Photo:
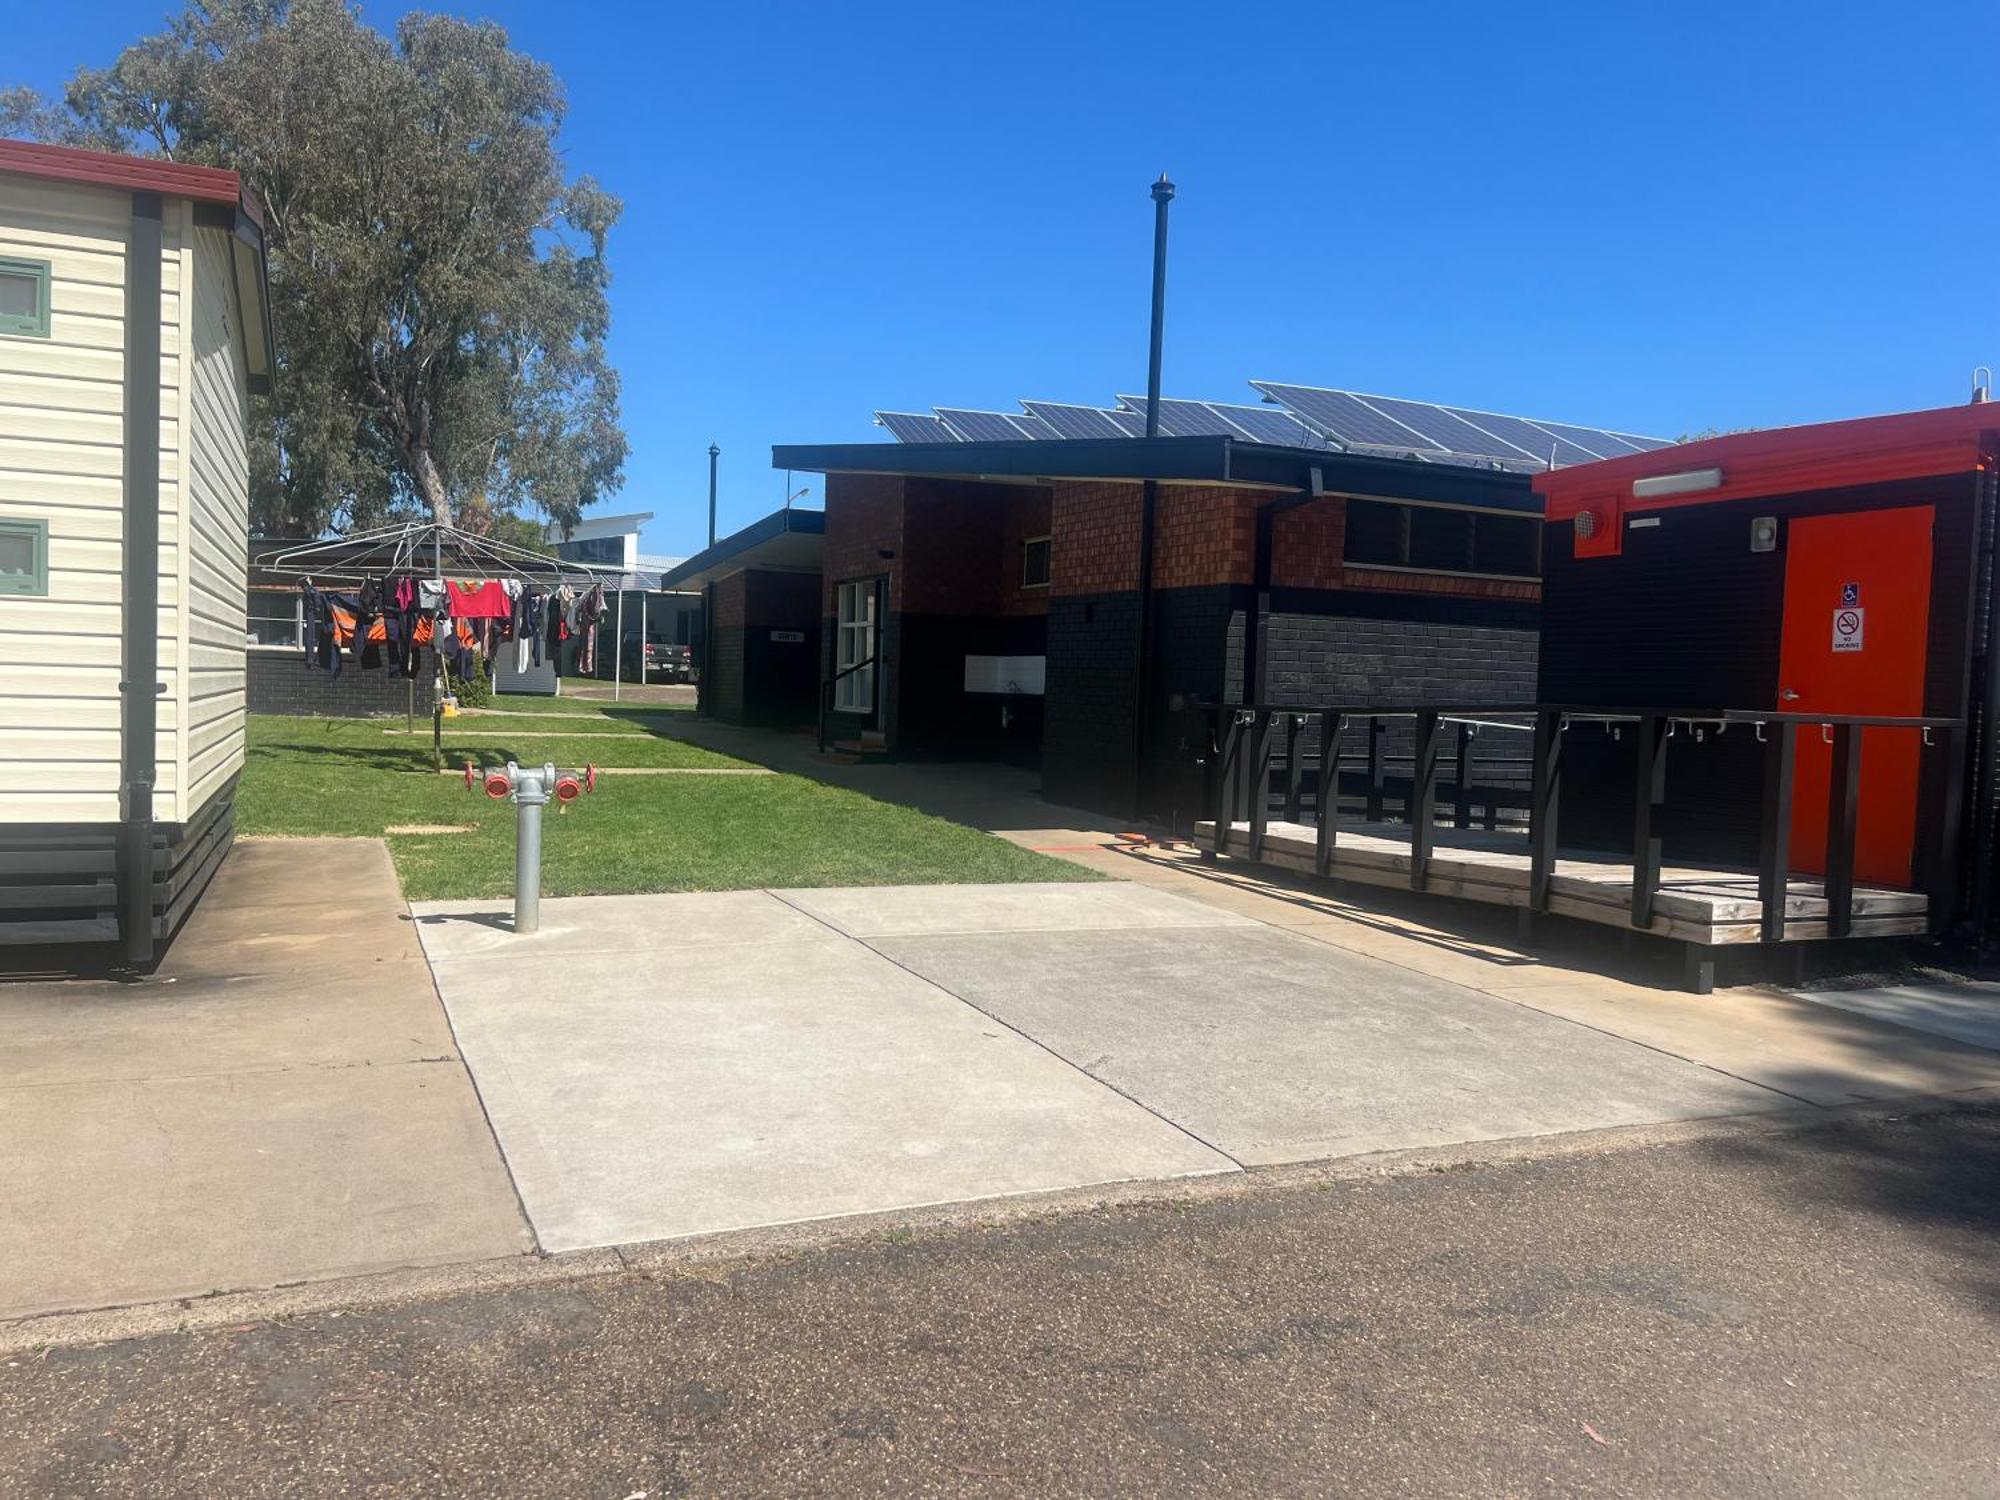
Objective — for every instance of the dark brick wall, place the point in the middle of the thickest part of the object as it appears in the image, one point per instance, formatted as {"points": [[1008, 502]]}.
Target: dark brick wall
{"points": [[1445, 654], [722, 695], [279, 682], [1317, 660], [1087, 716]]}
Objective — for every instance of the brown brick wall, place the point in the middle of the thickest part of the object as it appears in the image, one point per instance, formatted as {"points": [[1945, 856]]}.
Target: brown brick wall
{"points": [[864, 518], [1306, 545], [1096, 529], [1204, 535], [729, 600], [784, 601], [1390, 582], [1027, 515]]}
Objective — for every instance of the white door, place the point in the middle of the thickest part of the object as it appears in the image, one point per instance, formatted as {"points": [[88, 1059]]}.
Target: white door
{"points": [[855, 644]]}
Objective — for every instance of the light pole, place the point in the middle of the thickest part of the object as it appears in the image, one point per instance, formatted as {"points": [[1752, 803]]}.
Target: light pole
{"points": [[713, 454], [1149, 497], [1163, 194]]}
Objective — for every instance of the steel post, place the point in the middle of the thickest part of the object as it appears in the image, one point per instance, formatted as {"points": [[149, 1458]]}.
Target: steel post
{"points": [[531, 795]]}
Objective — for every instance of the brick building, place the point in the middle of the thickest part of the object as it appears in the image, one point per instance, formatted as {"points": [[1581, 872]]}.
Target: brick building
{"points": [[992, 599], [759, 651]]}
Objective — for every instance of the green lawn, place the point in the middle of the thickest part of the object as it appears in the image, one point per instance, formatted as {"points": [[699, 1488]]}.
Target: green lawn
{"points": [[512, 704], [486, 739], [345, 777]]}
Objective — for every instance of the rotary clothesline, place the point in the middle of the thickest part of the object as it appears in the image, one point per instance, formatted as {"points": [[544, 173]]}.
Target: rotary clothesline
{"points": [[426, 583], [431, 548]]}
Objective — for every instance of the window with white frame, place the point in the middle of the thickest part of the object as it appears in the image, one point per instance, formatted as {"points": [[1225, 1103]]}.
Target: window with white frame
{"points": [[854, 644], [1035, 563], [273, 618]]}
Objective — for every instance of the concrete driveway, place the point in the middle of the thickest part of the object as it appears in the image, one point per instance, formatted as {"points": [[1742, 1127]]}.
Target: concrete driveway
{"points": [[661, 1066], [281, 1102]]}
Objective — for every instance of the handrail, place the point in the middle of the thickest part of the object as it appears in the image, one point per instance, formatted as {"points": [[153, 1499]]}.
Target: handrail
{"points": [[1239, 759], [826, 688]]}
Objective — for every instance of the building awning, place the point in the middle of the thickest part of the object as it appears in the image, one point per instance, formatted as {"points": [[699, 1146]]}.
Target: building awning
{"points": [[786, 541], [1208, 460]]}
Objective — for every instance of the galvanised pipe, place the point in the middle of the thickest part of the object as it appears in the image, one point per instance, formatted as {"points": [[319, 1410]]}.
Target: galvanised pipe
{"points": [[532, 788]]}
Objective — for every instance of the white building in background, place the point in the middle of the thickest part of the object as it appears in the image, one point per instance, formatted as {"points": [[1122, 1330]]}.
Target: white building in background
{"points": [[647, 614]]}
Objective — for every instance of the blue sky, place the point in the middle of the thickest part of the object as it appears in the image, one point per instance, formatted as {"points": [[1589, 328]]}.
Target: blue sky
{"points": [[1657, 218]]}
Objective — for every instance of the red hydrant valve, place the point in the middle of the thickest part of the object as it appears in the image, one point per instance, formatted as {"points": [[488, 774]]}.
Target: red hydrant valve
{"points": [[589, 777], [567, 789], [471, 777], [497, 785]]}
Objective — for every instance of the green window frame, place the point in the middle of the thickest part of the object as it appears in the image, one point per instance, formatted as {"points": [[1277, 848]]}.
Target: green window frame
{"points": [[36, 323], [36, 580]]}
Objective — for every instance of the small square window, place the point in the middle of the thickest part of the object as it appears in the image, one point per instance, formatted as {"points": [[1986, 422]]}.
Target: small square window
{"points": [[24, 297], [1035, 563], [24, 557]]}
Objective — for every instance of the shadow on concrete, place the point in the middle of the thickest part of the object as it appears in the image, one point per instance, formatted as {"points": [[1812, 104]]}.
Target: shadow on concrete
{"points": [[1937, 1167], [497, 921]]}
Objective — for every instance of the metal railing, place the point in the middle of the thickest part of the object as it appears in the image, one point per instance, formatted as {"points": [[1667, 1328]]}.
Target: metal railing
{"points": [[1241, 758], [826, 689]]}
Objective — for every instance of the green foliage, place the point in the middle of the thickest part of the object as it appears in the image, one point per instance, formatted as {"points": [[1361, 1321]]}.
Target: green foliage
{"points": [[438, 284], [475, 691]]}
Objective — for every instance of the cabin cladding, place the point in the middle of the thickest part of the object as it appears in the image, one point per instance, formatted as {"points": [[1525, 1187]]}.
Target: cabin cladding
{"points": [[62, 463], [82, 370]]}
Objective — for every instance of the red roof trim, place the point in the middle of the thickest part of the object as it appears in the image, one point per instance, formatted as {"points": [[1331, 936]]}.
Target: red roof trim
{"points": [[107, 169], [1785, 460]]}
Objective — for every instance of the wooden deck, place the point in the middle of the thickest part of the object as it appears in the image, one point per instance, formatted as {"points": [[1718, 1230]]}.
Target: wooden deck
{"points": [[1704, 906]]}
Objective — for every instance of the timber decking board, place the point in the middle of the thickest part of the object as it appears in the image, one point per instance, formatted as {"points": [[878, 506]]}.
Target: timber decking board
{"points": [[1694, 904]]}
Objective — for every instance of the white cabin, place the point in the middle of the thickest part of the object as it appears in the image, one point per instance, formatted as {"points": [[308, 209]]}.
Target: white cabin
{"points": [[134, 327]]}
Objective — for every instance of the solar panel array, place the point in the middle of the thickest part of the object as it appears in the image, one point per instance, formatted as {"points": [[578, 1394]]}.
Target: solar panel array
{"points": [[1295, 416]]}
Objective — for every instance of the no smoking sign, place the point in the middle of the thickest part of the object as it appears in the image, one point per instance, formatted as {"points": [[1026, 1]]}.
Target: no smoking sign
{"points": [[1847, 628]]}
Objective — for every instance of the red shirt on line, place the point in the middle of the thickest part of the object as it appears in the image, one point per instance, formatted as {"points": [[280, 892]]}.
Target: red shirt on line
{"points": [[478, 601]]}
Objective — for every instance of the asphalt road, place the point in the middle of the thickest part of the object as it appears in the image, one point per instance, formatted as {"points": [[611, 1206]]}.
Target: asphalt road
{"points": [[1812, 1314]]}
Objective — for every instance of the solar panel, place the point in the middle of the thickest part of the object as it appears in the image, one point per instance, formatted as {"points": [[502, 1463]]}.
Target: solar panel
{"points": [[1129, 423], [1183, 418], [1528, 436], [1266, 424], [914, 427], [981, 426], [1596, 439], [1035, 427], [1079, 421], [1643, 444], [1446, 430], [1346, 417]]}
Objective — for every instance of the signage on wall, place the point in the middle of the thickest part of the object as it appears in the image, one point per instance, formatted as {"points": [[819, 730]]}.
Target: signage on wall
{"points": [[1847, 625], [794, 636], [1850, 594]]}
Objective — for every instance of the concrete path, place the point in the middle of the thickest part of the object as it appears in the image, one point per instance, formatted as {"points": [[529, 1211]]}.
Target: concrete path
{"points": [[1828, 1049], [1965, 1009], [281, 1102], [658, 1066], [663, 1066]]}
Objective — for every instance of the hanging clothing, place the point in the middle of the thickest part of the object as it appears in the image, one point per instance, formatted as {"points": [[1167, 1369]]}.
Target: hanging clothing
{"points": [[431, 594], [530, 624], [589, 610], [478, 601], [322, 647]]}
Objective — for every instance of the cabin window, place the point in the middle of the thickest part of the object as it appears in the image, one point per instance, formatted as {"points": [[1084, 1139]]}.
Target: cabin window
{"points": [[273, 618], [24, 557], [24, 297], [1442, 539], [1035, 563]]}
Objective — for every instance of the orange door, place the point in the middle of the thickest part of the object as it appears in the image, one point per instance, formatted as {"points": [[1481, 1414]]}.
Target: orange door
{"points": [[1857, 618]]}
